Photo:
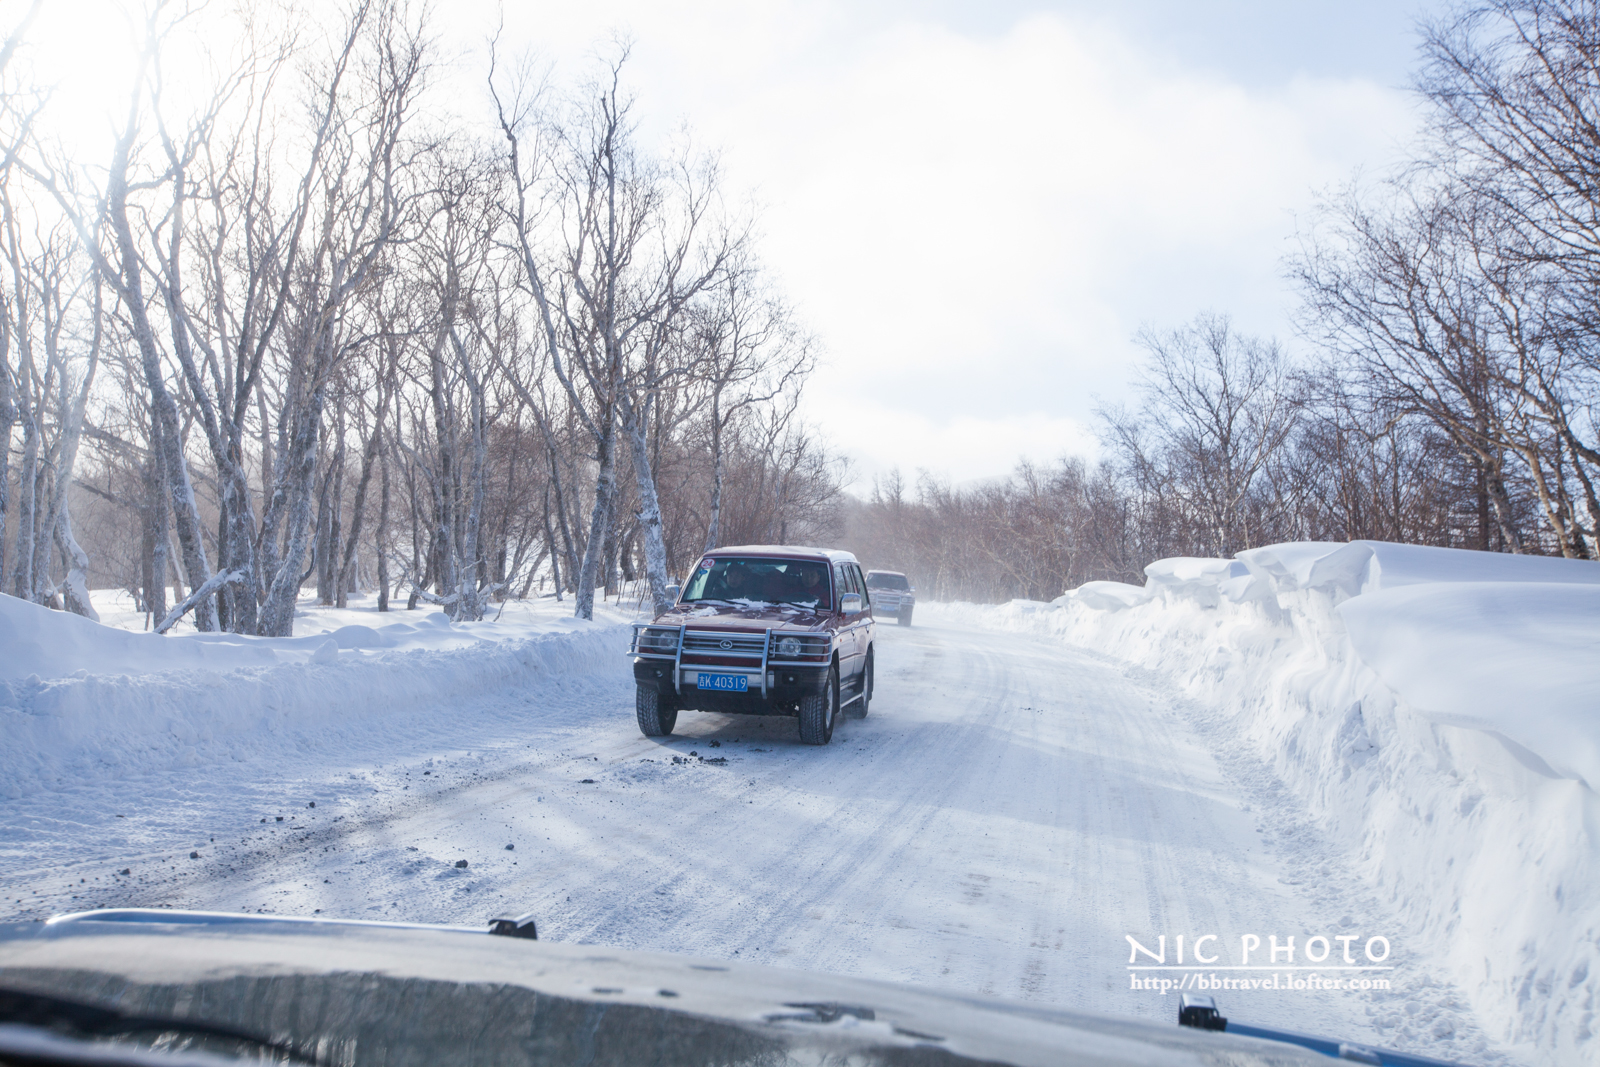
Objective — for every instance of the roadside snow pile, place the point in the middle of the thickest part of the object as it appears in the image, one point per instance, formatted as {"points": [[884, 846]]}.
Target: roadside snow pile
{"points": [[80, 701], [1437, 711]]}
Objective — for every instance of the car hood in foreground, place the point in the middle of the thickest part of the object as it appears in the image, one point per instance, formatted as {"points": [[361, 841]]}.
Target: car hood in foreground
{"points": [[381, 994]]}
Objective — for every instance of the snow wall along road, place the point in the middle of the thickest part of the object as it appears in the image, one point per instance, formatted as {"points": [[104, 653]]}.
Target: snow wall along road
{"points": [[86, 703], [1436, 711]]}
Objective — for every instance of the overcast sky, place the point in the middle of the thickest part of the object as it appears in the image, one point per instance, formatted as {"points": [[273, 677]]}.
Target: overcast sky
{"points": [[976, 205]]}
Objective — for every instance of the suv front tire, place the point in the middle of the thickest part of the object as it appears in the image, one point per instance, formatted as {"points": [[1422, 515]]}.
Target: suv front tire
{"points": [[656, 717], [819, 710]]}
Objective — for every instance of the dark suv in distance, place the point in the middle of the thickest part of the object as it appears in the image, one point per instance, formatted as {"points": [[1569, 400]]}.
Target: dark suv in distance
{"points": [[892, 594], [760, 630]]}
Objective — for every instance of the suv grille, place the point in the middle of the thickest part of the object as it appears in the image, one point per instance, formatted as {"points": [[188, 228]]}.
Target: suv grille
{"points": [[724, 644]]}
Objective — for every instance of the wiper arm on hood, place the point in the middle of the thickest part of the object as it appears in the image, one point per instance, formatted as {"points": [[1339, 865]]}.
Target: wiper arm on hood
{"points": [[47, 1011]]}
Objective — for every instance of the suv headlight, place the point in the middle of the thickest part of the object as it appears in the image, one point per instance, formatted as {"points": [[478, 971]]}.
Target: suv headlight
{"points": [[790, 646], [659, 641]]}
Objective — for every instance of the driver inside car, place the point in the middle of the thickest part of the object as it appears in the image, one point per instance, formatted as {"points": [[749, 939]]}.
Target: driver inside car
{"points": [[733, 584]]}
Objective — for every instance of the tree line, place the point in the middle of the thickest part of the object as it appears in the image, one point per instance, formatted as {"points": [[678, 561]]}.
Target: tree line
{"points": [[302, 324], [1447, 387]]}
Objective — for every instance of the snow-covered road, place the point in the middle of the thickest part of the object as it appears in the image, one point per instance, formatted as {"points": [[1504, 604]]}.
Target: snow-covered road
{"points": [[1010, 811]]}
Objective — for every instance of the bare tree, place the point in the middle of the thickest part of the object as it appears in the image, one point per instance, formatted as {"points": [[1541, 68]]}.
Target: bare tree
{"points": [[637, 242], [363, 203], [1406, 295], [1216, 409], [751, 354], [1510, 85]]}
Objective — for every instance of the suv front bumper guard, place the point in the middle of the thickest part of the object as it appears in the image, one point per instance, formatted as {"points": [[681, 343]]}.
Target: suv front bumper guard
{"points": [[763, 668]]}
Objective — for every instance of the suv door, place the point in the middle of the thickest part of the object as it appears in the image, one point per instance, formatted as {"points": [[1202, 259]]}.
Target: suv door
{"points": [[865, 625], [866, 595], [849, 632]]}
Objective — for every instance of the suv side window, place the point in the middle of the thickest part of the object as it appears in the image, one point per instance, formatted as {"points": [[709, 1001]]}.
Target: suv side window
{"points": [[848, 580], [861, 585]]}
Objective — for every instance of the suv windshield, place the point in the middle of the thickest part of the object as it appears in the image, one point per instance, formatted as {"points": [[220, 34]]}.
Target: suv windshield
{"points": [[880, 580], [760, 581]]}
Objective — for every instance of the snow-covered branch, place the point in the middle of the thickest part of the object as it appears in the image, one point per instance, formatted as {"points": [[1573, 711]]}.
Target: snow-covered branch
{"points": [[212, 585]]}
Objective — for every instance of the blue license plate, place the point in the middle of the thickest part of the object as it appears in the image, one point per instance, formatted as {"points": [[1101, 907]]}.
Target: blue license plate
{"points": [[727, 683]]}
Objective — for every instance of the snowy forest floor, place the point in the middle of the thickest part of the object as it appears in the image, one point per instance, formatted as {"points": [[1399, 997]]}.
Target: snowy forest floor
{"points": [[1008, 812]]}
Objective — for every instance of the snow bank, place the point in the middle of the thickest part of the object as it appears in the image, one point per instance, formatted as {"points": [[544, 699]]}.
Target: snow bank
{"points": [[1519, 660], [1438, 714], [81, 701]]}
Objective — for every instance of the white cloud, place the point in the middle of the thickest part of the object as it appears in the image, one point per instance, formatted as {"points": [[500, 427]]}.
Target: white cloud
{"points": [[978, 225], [959, 449]]}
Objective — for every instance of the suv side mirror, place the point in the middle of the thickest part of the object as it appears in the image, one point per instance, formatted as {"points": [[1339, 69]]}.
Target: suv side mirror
{"points": [[850, 604], [672, 592]]}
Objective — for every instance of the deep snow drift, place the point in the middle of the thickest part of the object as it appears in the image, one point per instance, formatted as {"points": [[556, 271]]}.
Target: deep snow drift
{"points": [[1438, 713], [81, 701]]}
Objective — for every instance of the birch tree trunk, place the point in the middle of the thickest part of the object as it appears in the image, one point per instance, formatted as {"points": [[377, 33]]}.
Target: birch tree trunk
{"points": [[369, 457], [470, 604], [445, 476], [72, 403], [549, 537], [718, 466], [381, 540], [655, 549], [8, 418], [27, 505], [605, 488], [277, 613], [130, 285], [569, 548], [157, 511], [75, 587]]}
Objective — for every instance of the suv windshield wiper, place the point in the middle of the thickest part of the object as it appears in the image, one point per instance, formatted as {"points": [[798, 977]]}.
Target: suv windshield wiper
{"points": [[49, 1012]]}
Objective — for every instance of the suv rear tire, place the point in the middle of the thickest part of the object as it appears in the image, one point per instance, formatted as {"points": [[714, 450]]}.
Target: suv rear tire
{"points": [[819, 710], [656, 718]]}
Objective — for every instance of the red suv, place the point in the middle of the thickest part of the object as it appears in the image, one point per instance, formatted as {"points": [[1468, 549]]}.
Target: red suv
{"points": [[760, 630]]}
